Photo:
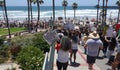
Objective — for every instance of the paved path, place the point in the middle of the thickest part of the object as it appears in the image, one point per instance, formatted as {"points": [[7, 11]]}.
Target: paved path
{"points": [[6, 66], [80, 62]]}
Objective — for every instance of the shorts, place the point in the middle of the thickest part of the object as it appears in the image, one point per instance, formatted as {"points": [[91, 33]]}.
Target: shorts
{"points": [[74, 50], [91, 59]]}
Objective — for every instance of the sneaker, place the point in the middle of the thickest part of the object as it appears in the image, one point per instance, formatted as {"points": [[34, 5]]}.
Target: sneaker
{"points": [[108, 64]]}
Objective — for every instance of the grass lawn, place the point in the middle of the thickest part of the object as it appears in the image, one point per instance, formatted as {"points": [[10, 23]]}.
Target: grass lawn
{"points": [[4, 31]]}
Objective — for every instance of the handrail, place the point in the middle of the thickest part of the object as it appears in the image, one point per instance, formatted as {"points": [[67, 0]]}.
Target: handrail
{"points": [[45, 61], [49, 59]]}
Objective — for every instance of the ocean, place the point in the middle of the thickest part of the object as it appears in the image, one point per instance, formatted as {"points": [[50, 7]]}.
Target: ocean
{"points": [[20, 12]]}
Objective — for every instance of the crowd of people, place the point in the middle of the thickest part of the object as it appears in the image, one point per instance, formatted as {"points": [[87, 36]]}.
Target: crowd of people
{"points": [[94, 39]]}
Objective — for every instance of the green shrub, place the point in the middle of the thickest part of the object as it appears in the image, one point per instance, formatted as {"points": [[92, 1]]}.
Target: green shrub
{"points": [[14, 50], [2, 39], [4, 52], [30, 58], [23, 41], [2, 60], [40, 42]]}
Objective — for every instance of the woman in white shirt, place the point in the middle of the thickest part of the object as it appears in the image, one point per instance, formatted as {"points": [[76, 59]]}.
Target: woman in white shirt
{"points": [[63, 53]]}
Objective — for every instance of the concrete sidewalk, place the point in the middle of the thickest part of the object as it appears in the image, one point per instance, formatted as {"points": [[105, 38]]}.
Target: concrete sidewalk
{"points": [[6, 66], [80, 62]]}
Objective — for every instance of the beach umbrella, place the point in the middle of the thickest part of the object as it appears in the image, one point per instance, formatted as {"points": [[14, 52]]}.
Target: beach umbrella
{"points": [[118, 3], [93, 20], [64, 4], [74, 6]]}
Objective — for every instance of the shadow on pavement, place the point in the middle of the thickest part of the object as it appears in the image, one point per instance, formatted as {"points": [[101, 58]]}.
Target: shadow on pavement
{"points": [[100, 58], [74, 64]]}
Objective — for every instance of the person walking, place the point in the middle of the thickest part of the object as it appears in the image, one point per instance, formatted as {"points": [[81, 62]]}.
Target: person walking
{"points": [[92, 45], [116, 61], [63, 53], [74, 49], [111, 39], [85, 38]]}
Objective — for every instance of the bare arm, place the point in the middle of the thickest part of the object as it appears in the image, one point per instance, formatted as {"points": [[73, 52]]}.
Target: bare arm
{"points": [[85, 46]]}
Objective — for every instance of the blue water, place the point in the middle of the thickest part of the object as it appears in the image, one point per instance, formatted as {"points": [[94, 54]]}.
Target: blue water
{"points": [[47, 8], [46, 11]]}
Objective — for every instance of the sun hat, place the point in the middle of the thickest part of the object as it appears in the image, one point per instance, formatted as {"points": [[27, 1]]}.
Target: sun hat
{"points": [[76, 28], [94, 35]]}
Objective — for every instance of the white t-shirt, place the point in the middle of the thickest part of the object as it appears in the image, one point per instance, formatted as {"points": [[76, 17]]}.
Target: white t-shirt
{"points": [[74, 46], [109, 32], [63, 56], [93, 46]]}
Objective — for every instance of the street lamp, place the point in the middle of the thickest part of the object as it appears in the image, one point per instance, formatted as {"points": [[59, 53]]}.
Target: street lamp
{"points": [[98, 11], [53, 2], [106, 10]]}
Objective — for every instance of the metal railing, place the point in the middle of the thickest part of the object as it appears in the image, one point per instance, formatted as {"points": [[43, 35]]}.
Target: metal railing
{"points": [[49, 59]]}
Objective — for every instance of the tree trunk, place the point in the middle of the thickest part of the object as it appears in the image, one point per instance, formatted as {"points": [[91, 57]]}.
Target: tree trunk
{"points": [[38, 19], [118, 15], [28, 2], [65, 12], [106, 10], [98, 11], [103, 14], [31, 14], [74, 13], [8, 25]]}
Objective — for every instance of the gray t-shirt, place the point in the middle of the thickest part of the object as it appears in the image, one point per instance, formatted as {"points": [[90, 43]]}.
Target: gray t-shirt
{"points": [[93, 46]]}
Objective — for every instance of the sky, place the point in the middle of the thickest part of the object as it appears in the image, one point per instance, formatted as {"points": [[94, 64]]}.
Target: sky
{"points": [[59, 2]]}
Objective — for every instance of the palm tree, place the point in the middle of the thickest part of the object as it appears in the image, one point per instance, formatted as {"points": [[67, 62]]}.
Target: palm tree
{"points": [[64, 4], [2, 7], [28, 2], [118, 3], [74, 6], [3, 4], [38, 7], [98, 10], [103, 14], [31, 10]]}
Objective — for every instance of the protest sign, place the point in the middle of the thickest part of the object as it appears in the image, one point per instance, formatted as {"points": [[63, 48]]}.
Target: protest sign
{"points": [[51, 37], [69, 26]]}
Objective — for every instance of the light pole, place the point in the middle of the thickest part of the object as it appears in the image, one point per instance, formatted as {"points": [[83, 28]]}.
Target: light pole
{"points": [[106, 10], [98, 11], [53, 13]]}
